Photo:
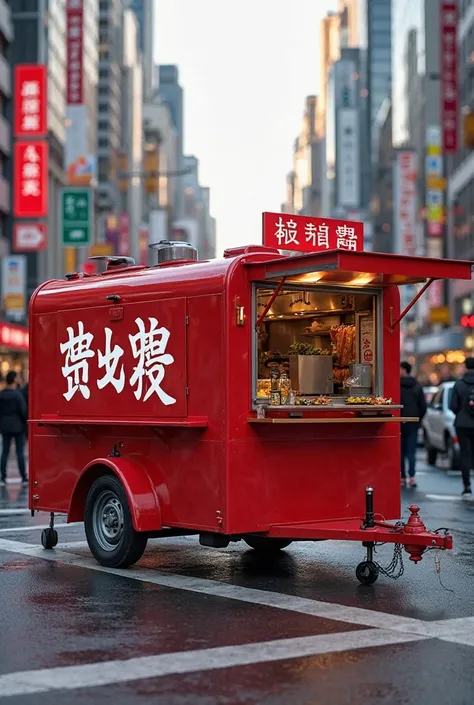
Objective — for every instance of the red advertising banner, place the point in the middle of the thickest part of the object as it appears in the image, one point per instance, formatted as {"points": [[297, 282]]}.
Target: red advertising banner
{"points": [[74, 51], [30, 101], [124, 235], [449, 76], [406, 210], [30, 237], [30, 180], [300, 233]]}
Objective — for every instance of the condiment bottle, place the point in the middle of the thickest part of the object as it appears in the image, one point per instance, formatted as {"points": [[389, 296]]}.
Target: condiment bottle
{"points": [[284, 387], [275, 395]]}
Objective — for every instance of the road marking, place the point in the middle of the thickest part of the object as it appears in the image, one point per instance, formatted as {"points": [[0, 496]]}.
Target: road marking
{"points": [[112, 672], [444, 497], [36, 527], [292, 603], [14, 511], [266, 598]]}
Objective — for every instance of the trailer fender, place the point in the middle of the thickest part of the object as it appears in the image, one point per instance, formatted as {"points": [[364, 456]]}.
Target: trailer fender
{"points": [[141, 494]]}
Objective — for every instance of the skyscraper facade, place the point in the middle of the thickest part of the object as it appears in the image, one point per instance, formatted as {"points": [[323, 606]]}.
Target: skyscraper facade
{"points": [[145, 13], [109, 103]]}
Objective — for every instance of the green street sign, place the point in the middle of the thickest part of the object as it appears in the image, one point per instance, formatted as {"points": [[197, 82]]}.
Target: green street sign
{"points": [[76, 210]]}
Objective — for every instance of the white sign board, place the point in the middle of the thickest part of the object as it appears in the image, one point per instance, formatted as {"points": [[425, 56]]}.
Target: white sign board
{"points": [[347, 158], [14, 286]]}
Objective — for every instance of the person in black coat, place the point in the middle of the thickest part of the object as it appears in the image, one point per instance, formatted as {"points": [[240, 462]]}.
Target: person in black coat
{"points": [[413, 402], [13, 418], [462, 405]]}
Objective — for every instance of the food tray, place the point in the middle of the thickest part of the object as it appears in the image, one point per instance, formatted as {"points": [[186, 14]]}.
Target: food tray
{"points": [[333, 407]]}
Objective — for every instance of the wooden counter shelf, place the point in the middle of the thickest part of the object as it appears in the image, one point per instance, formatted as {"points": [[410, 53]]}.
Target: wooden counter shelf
{"points": [[356, 419]]}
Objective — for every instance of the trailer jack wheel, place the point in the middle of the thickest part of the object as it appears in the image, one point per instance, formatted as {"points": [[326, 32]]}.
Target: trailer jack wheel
{"points": [[49, 536], [367, 572]]}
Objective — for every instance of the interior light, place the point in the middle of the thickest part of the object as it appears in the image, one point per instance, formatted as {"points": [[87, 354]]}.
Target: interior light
{"points": [[311, 277], [362, 279]]}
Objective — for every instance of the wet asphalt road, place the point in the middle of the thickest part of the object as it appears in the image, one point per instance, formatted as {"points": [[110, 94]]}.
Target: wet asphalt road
{"points": [[196, 626]]}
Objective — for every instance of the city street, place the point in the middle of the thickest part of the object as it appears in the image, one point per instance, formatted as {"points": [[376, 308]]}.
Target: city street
{"points": [[195, 625]]}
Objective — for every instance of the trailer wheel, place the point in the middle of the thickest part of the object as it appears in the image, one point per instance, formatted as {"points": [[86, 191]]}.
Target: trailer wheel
{"points": [[108, 523], [367, 572], [49, 538], [265, 544]]}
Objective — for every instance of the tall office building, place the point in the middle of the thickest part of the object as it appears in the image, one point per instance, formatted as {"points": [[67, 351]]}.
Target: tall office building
{"points": [[41, 25], [132, 128], [171, 94], [109, 103], [145, 13], [329, 50]]}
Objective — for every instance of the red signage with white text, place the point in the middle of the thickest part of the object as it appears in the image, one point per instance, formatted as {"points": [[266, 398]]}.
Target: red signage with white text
{"points": [[449, 76], [124, 235], [300, 233], [30, 180], [30, 237], [14, 337], [30, 100], [74, 51]]}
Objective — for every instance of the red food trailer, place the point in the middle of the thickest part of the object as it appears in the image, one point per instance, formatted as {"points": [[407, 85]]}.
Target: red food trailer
{"points": [[155, 412]]}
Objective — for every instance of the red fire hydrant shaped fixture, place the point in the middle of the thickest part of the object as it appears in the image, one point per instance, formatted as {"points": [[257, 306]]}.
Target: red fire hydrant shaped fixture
{"points": [[414, 525]]}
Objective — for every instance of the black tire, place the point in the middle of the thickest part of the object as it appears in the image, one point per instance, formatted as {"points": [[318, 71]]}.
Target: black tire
{"points": [[431, 453], [264, 544], [108, 524], [49, 538], [367, 572]]}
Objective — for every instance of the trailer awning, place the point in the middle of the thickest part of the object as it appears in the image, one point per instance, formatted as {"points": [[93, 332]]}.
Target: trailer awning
{"points": [[358, 269]]}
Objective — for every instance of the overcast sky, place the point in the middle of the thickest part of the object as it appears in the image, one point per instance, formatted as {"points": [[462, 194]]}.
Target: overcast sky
{"points": [[246, 68]]}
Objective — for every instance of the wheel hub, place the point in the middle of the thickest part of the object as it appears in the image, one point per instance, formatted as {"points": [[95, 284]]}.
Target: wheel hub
{"points": [[108, 520]]}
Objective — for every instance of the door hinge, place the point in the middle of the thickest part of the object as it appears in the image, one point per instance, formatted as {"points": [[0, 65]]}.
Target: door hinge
{"points": [[187, 391], [186, 320]]}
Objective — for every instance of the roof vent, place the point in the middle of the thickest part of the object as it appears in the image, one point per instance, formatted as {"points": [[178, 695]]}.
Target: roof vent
{"points": [[174, 251]]}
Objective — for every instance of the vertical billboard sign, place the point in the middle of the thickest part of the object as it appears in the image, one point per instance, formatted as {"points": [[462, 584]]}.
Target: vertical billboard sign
{"points": [[435, 186], [80, 164], [30, 104], [449, 76], [405, 201], [347, 158], [14, 286], [30, 179]]}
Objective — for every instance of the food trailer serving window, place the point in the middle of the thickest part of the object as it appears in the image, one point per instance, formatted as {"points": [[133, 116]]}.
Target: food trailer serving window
{"points": [[318, 322], [317, 341]]}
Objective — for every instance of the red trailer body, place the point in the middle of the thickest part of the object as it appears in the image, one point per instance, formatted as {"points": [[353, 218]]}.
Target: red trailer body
{"points": [[143, 379]]}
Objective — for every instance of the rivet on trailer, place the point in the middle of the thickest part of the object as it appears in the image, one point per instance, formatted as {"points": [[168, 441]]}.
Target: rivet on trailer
{"points": [[183, 398]]}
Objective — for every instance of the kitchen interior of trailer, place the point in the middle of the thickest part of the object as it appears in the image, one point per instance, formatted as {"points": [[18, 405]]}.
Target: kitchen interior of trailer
{"points": [[324, 338]]}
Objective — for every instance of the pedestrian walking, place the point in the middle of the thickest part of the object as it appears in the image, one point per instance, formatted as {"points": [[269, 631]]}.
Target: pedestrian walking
{"points": [[462, 405], [413, 402], [13, 418]]}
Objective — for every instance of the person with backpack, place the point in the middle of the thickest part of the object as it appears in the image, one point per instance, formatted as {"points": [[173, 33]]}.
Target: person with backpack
{"points": [[462, 406], [413, 403]]}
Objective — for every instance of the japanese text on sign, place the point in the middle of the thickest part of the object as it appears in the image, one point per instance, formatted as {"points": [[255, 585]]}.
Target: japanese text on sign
{"points": [[30, 100], [305, 234], [449, 76], [30, 180], [366, 340], [148, 348], [74, 30]]}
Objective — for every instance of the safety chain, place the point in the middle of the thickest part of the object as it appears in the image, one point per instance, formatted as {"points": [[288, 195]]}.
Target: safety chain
{"points": [[395, 569]]}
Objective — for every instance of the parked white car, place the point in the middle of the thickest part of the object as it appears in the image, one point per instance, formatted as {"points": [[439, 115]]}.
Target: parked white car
{"points": [[438, 428], [429, 393]]}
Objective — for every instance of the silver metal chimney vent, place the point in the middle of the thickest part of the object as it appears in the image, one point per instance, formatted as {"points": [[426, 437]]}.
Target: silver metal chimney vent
{"points": [[174, 251]]}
